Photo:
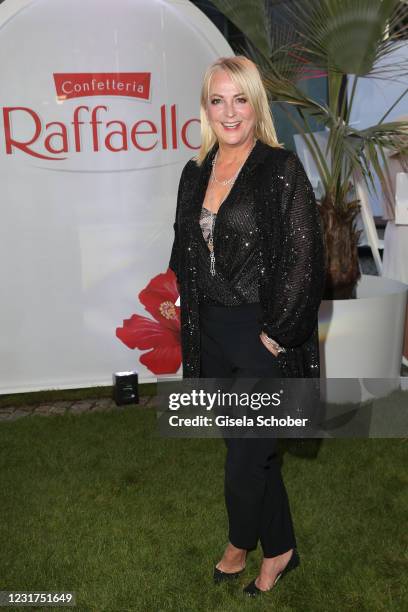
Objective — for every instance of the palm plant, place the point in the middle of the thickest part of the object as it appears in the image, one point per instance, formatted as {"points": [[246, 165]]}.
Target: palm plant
{"points": [[343, 40]]}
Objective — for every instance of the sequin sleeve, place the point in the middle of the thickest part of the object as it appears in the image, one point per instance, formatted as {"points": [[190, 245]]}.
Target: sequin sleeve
{"points": [[174, 257], [298, 278]]}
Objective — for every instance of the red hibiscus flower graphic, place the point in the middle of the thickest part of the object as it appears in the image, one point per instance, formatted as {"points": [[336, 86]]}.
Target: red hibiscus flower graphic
{"points": [[161, 335]]}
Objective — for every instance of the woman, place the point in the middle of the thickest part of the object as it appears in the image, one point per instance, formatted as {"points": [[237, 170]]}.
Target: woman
{"points": [[248, 257]]}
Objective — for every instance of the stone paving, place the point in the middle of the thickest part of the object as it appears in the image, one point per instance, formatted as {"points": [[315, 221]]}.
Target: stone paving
{"points": [[11, 413]]}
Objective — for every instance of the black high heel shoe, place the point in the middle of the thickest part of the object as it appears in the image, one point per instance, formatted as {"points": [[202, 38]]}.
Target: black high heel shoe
{"points": [[252, 590], [220, 576]]}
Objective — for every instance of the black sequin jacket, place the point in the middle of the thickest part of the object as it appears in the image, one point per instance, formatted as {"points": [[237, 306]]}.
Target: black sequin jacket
{"points": [[291, 256]]}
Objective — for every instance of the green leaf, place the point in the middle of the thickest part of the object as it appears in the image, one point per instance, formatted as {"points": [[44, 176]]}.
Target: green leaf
{"points": [[252, 18], [345, 36]]}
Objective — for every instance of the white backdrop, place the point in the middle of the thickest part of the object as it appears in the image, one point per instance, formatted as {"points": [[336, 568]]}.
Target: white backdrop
{"points": [[86, 215]]}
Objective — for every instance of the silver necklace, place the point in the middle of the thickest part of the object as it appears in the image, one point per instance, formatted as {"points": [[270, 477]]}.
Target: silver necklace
{"points": [[211, 245], [213, 215], [211, 234], [227, 181]]}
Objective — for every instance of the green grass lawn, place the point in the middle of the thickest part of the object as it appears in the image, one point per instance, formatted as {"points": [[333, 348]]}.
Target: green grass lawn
{"points": [[100, 505]]}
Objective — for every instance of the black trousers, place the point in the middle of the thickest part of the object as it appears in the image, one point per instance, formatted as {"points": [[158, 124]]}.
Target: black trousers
{"points": [[255, 495]]}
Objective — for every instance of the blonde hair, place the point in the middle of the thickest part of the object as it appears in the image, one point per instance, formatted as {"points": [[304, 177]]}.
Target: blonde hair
{"points": [[245, 75]]}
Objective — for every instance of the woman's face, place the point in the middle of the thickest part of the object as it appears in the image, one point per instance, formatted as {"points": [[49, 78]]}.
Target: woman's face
{"points": [[229, 112]]}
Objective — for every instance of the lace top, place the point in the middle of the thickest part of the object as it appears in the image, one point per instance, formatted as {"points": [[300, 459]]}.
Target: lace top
{"points": [[207, 219]]}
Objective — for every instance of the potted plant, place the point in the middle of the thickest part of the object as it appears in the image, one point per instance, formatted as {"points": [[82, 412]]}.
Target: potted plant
{"points": [[344, 40]]}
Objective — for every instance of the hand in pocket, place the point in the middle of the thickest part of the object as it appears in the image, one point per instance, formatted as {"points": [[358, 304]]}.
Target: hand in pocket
{"points": [[268, 345]]}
